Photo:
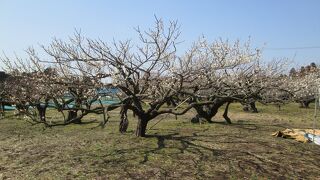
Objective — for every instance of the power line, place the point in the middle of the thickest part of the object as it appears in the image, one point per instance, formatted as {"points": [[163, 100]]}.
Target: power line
{"points": [[294, 48]]}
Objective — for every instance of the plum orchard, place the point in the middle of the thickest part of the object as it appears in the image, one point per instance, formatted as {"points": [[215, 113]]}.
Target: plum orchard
{"points": [[148, 75]]}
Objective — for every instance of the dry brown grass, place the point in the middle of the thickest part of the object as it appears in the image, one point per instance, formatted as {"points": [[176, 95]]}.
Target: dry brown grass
{"points": [[174, 149]]}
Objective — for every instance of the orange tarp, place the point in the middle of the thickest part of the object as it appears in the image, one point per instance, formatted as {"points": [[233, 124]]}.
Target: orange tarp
{"points": [[297, 134]]}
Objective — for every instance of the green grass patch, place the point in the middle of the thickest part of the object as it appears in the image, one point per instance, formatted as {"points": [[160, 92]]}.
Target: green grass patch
{"points": [[174, 149]]}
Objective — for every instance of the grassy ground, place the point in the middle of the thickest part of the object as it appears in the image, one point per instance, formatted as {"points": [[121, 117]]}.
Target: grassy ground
{"points": [[174, 149]]}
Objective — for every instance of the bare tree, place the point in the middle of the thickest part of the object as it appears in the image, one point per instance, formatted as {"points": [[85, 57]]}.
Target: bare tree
{"points": [[34, 84], [3, 92], [28, 88], [149, 75], [225, 72], [145, 73]]}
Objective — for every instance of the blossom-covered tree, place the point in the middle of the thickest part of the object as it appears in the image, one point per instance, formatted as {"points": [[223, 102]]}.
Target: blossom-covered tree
{"points": [[305, 84], [3, 92], [149, 75], [227, 72], [35, 84]]}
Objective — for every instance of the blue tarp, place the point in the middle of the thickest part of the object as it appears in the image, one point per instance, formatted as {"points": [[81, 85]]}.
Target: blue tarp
{"points": [[104, 102], [9, 108], [313, 138]]}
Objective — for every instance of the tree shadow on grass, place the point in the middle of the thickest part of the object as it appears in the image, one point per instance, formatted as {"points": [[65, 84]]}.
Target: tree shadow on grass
{"points": [[194, 144], [243, 155], [257, 156]]}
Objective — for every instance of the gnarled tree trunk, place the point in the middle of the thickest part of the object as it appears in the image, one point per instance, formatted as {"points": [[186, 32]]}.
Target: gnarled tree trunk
{"points": [[21, 108], [73, 117], [253, 107], [141, 126], [2, 109], [207, 112], [250, 107], [304, 104], [124, 120], [225, 114], [42, 112]]}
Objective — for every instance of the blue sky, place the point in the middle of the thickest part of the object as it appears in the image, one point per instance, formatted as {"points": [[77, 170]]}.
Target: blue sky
{"points": [[269, 23]]}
